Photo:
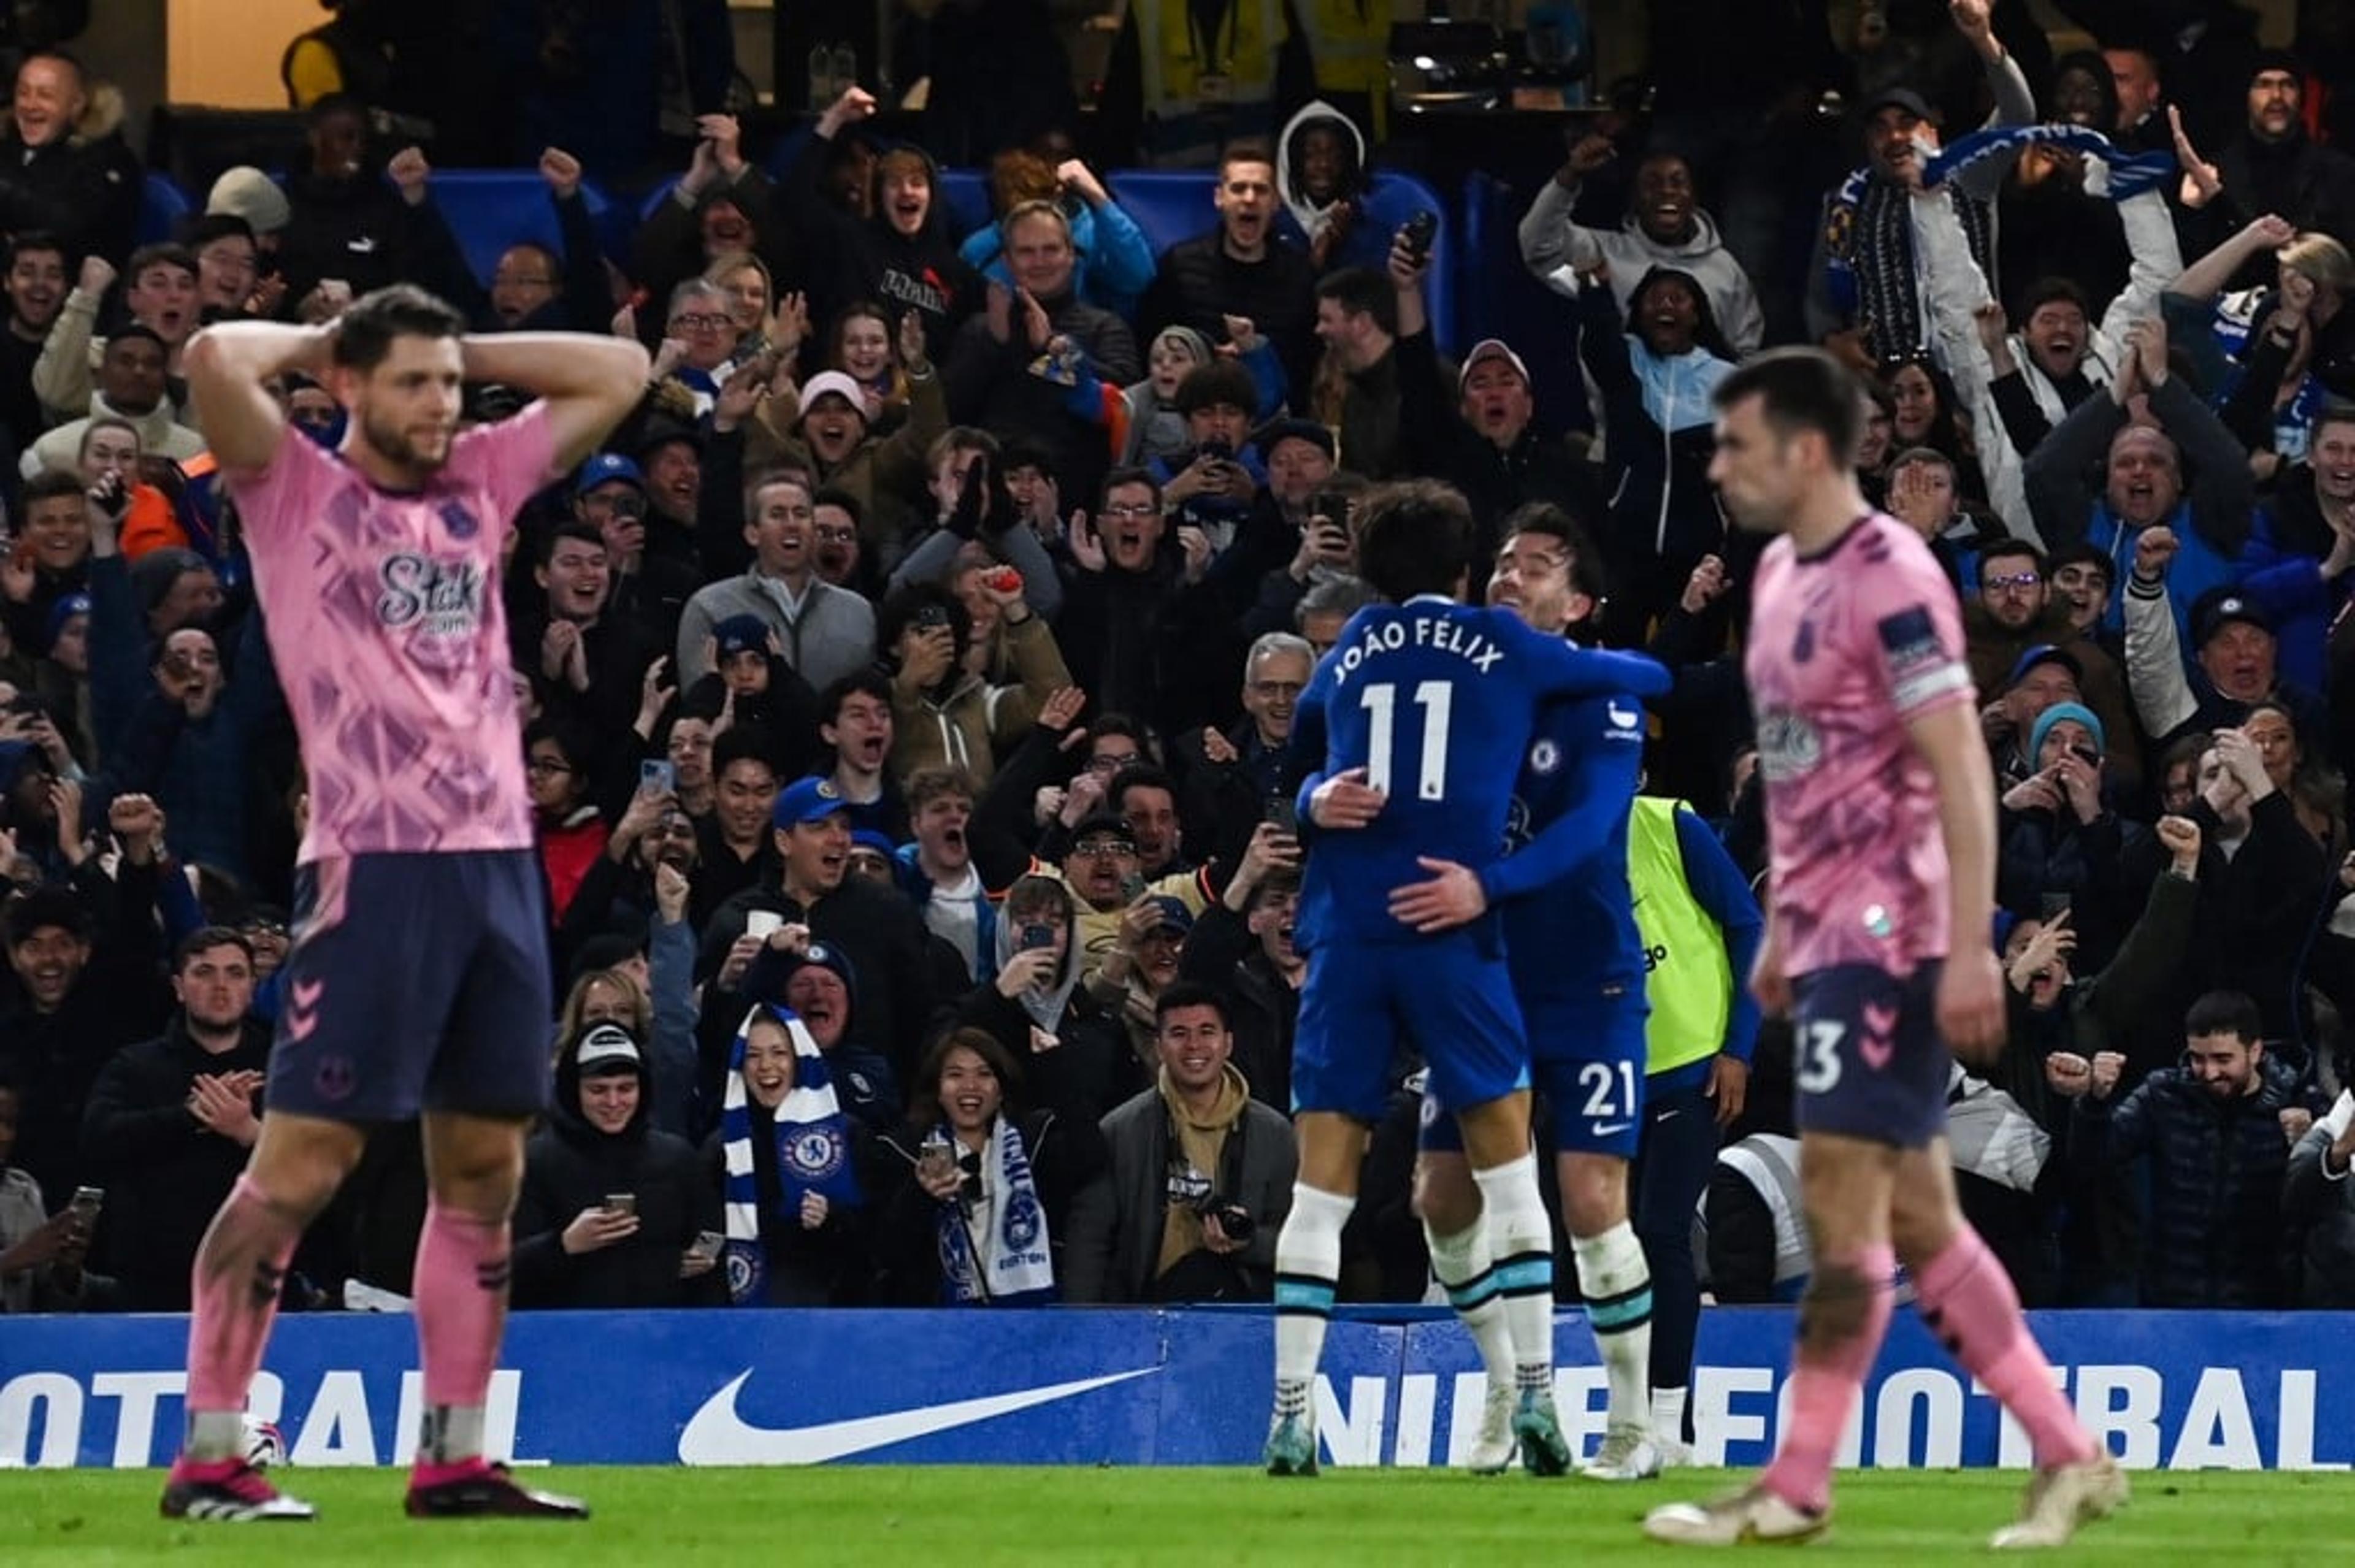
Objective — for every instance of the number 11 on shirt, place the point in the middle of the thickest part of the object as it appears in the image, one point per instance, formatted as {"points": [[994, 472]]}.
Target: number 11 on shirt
{"points": [[1380, 703]]}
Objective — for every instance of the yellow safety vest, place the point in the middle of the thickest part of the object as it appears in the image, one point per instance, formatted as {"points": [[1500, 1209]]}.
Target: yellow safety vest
{"points": [[1687, 978]]}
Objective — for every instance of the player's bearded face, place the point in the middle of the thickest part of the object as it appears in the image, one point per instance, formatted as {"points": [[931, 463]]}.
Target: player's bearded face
{"points": [[407, 407]]}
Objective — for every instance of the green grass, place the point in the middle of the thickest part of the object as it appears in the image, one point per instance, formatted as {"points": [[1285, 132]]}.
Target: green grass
{"points": [[1196, 1518]]}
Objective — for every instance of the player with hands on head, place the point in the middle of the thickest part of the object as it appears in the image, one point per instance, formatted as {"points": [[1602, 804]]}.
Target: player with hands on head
{"points": [[375, 565]]}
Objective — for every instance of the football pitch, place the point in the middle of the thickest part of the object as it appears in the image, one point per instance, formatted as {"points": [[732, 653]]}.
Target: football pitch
{"points": [[971, 1515]]}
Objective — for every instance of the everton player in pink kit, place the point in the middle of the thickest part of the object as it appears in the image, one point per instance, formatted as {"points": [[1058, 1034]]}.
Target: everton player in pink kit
{"points": [[419, 977], [1881, 811]]}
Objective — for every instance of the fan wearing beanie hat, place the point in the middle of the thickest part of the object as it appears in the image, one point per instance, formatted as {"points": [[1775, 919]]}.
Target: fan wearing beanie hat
{"points": [[610, 1204]]}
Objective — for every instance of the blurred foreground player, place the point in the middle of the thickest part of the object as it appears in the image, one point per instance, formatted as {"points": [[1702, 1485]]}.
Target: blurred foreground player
{"points": [[418, 977], [1882, 812]]}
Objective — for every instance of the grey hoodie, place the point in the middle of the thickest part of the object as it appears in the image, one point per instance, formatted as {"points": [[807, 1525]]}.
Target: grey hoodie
{"points": [[1553, 245]]}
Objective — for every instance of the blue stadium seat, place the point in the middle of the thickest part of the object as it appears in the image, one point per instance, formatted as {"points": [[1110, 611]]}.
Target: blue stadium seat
{"points": [[1500, 299], [967, 193], [1171, 204], [490, 209], [161, 204]]}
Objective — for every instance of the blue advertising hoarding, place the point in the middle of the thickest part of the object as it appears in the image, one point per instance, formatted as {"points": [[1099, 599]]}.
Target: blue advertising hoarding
{"points": [[1069, 1387]]}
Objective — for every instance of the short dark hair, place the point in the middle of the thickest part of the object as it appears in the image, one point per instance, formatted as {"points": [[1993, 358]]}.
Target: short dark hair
{"points": [[570, 528], [2083, 553], [206, 937], [1220, 382], [365, 333], [162, 253], [1802, 392], [135, 332], [742, 743], [336, 105], [868, 682], [35, 240], [2053, 291], [1117, 477], [207, 227], [2008, 549], [1190, 994], [836, 495], [1122, 724], [1413, 536], [2224, 1012], [1586, 566], [1138, 775], [1361, 291], [49, 485]]}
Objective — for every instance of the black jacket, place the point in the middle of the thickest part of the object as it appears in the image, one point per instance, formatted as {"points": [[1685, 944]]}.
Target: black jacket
{"points": [[86, 190], [55, 1057], [989, 383], [1197, 285], [2217, 1236], [570, 1166], [2324, 1210], [1495, 479], [164, 1172], [846, 258], [889, 948], [1066, 1152]]}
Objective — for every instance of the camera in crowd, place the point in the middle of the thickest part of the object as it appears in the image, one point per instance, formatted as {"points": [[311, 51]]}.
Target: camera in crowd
{"points": [[1233, 1216]]}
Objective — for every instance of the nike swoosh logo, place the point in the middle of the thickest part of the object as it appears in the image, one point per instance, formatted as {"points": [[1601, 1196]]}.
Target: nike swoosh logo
{"points": [[715, 1434], [1611, 1129]]}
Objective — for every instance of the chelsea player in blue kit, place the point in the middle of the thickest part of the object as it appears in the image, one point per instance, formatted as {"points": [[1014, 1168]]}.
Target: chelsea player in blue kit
{"points": [[1577, 963], [1418, 720]]}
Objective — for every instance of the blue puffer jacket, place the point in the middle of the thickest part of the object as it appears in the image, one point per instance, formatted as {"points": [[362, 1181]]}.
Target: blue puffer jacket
{"points": [[2216, 1236]]}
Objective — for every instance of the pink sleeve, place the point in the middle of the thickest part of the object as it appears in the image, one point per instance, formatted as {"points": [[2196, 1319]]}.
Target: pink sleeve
{"points": [[1908, 612], [282, 493], [510, 460]]}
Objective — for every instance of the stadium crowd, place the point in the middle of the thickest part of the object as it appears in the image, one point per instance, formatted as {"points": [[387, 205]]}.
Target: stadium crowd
{"points": [[908, 686]]}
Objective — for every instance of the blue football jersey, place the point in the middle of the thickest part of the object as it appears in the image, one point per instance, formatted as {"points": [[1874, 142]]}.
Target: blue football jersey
{"points": [[1569, 920], [1436, 701]]}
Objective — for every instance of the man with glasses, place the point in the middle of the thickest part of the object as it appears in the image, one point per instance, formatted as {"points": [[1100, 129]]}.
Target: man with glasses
{"points": [[1139, 630], [1229, 775], [2017, 612], [699, 319], [1103, 868]]}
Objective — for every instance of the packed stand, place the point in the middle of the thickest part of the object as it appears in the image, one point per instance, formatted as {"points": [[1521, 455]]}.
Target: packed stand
{"points": [[907, 688]]}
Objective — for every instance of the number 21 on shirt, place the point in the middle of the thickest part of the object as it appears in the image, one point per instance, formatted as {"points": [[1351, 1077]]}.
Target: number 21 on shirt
{"points": [[1435, 698]]}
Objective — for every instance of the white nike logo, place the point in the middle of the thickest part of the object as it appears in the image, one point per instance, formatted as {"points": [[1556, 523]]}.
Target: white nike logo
{"points": [[1611, 1129], [715, 1434]]}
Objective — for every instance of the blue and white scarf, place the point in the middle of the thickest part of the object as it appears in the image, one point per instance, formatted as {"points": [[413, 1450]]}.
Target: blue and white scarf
{"points": [[813, 1152], [1869, 269], [2130, 176], [995, 1252]]}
